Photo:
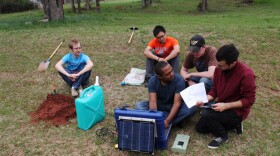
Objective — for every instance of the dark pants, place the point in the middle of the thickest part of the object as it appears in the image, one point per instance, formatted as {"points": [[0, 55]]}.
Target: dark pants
{"points": [[217, 123], [150, 66], [81, 80]]}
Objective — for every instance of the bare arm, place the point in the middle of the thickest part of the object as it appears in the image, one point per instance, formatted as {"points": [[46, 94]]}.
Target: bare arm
{"points": [[175, 52], [208, 74], [186, 76], [224, 106], [149, 54], [174, 109], [88, 67], [60, 68], [221, 106], [152, 101], [184, 73]]}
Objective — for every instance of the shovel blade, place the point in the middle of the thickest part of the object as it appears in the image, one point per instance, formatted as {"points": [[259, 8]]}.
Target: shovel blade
{"points": [[43, 66]]}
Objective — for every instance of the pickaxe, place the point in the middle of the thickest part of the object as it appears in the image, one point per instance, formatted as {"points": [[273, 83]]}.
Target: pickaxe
{"points": [[133, 30]]}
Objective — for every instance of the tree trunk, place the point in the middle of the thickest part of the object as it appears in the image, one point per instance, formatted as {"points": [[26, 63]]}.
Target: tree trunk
{"points": [[87, 5], [73, 6], [146, 3], [79, 6], [204, 5], [97, 8], [45, 4], [53, 9]]}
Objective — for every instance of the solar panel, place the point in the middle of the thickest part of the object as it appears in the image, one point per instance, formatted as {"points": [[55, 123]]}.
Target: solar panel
{"points": [[140, 130], [136, 135]]}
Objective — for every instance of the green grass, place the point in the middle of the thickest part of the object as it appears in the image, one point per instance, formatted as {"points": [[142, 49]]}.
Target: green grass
{"points": [[254, 29]]}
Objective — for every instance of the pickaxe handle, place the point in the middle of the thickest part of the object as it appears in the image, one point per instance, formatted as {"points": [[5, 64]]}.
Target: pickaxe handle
{"points": [[129, 41], [55, 50]]}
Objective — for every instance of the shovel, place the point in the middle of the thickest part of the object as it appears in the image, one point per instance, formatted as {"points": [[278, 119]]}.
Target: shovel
{"points": [[133, 30], [43, 66]]}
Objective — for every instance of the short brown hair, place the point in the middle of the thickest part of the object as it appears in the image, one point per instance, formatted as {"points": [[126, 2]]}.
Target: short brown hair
{"points": [[73, 41]]}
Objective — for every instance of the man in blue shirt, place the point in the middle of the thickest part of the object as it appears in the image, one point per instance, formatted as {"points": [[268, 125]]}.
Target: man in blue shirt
{"points": [[75, 68], [164, 95]]}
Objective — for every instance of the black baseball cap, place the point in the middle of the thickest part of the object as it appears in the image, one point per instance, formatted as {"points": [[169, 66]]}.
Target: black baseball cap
{"points": [[196, 42]]}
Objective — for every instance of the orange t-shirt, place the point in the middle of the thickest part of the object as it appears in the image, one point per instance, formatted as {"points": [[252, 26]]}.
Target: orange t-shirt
{"points": [[163, 50]]}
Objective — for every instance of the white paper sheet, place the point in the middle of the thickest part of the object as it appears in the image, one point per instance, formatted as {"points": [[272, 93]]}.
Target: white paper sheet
{"points": [[136, 77], [194, 93]]}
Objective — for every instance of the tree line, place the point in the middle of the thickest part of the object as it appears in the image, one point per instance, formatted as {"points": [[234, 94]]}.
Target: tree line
{"points": [[53, 9]]}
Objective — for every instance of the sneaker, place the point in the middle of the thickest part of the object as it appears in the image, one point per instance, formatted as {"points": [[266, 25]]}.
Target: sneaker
{"points": [[80, 90], [217, 142], [238, 129], [74, 92]]}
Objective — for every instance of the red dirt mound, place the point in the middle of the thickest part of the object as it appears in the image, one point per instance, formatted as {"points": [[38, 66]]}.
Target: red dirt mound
{"points": [[56, 109]]}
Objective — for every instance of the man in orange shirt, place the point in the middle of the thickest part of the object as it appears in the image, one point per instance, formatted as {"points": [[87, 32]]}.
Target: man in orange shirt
{"points": [[161, 48]]}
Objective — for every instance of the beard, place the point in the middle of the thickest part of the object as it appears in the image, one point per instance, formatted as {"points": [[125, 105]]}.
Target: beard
{"points": [[226, 72]]}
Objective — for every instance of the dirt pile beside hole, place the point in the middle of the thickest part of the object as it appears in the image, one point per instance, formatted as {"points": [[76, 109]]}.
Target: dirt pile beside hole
{"points": [[56, 110]]}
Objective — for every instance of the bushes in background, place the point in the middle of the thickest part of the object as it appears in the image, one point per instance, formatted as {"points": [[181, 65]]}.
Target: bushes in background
{"points": [[9, 6]]}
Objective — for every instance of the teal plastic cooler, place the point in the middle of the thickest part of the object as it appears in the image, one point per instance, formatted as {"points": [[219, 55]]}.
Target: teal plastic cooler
{"points": [[90, 107]]}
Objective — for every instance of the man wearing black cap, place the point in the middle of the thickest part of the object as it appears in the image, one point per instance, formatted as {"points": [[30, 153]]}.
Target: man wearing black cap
{"points": [[202, 57]]}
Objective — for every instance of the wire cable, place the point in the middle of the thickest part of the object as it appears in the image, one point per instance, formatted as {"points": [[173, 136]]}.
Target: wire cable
{"points": [[106, 134]]}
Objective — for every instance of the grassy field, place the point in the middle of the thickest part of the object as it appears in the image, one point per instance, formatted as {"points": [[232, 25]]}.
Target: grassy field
{"points": [[25, 42]]}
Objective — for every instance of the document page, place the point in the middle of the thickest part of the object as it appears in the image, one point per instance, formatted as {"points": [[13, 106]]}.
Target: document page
{"points": [[194, 93]]}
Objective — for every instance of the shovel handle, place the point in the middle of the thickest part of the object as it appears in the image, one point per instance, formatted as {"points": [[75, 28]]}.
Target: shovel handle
{"points": [[129, 41], [55, 50]]}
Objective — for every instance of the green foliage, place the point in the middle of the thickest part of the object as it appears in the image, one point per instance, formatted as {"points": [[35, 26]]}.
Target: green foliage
{"points": [[9, 6], [269, 2]]}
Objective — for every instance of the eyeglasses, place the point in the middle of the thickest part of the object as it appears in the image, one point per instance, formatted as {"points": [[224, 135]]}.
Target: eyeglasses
{"points": [[160, 37], [77, 48]]}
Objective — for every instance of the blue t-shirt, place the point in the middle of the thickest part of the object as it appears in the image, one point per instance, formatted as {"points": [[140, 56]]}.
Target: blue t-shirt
{"points": [[75, 64], [165, 94]]}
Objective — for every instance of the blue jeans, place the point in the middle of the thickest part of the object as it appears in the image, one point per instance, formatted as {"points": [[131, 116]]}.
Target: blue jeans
{"points": [[150, 65], [207, 82], [183, 113], [81, 80]]}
